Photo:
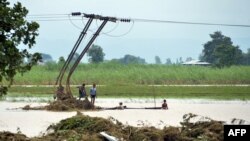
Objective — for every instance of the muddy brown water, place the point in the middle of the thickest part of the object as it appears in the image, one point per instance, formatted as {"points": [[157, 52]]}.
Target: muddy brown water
{"points": [[34, 123]]}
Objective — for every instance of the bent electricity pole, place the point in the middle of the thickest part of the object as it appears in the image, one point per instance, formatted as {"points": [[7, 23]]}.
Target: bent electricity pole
{"points": [[68, 90], [77, 44], [71, 55]]}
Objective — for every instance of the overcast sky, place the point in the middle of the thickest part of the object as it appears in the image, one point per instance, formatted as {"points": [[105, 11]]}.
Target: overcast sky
{"points": [[145, 39]]}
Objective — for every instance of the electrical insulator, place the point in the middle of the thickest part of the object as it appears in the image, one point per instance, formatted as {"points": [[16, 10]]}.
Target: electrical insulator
{"points": [[76, 13], [125, 20], [90, 16]]}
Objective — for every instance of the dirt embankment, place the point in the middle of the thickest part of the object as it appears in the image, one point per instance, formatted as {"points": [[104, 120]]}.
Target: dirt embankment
{"points": [[81, 128]]}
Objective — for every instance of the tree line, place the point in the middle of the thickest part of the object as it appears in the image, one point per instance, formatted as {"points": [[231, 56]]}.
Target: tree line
{"points": [[219, 51], [15, 30]]}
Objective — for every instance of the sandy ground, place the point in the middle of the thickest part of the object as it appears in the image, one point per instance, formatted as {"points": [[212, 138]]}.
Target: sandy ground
{"points": [[34, 123]]}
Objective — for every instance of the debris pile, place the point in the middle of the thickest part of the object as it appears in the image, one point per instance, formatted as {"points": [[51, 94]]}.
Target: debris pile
{"points": [[8, 136], [81, 128], [65, 105], [70, 104]]}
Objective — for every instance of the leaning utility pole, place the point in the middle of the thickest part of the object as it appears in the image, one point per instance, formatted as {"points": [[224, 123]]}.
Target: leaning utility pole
{"points": [[90, 17]]}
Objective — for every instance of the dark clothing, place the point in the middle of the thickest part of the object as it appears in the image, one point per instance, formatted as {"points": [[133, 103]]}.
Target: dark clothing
{"points": [[82, 92], [164, 106], [92, 96]]}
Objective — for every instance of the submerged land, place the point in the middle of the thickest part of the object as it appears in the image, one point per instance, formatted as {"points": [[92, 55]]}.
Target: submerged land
{"points": [[221, 94], [147, 124]]}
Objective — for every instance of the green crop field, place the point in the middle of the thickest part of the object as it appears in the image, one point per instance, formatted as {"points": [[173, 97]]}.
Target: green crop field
{"points": [[111, 73], [117, 80], [145, 91]]}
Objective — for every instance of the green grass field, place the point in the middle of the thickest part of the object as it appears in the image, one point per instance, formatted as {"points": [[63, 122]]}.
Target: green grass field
{"points": [[133, 81], [118, 74], [143, 91]]}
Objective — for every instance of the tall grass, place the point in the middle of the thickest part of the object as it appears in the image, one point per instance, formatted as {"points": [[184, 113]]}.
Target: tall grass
{"points": [[119, 74], [131, 91]]}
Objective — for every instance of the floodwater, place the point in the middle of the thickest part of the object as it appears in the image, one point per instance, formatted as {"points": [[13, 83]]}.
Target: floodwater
{"points": [[35, 123]]}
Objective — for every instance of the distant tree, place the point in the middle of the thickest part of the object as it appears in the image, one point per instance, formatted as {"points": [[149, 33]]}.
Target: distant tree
{"points": [[180, 60], [74, 58], [96, 54], [201, 57], [189, 59], [220, 51], [46, 57], [157, 60], [15, 31], [50, 65], [227, 55], [61, 60], [246, 58], [177, 61], [115, 61], [168, 61], [130, 59]]}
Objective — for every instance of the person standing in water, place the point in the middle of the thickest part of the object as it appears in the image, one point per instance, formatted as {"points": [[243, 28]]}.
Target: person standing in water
{"points": [[82, 91], [93, 94]]}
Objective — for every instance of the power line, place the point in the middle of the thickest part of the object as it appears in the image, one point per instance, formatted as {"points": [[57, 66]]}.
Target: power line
{"points": [[54, 20], [73, 23], [63, 17], [47, 17], [123, 34], [184, 22], [41, 15]]}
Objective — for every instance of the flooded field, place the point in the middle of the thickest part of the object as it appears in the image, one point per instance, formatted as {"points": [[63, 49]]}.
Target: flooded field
{"points": [[34, 123]]}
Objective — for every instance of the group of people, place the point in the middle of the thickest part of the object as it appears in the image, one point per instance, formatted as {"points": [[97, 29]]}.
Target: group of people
{"points": [[83, 93], [93, 93]]}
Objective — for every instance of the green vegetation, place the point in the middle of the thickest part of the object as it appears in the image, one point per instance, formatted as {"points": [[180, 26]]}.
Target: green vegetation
{"points": [[136, 74], [82, 128], [221, 52], [133, 91], [96, 54], [133, 80], [15, 30], [130, 59]]}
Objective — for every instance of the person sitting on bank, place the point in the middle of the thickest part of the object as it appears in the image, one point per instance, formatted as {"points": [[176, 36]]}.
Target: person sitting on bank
{"points": [[93, 94], [164, 105], [82, 91]]}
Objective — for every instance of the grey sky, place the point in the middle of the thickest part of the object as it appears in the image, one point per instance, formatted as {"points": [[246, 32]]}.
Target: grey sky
{"points": [[145, 39]]}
